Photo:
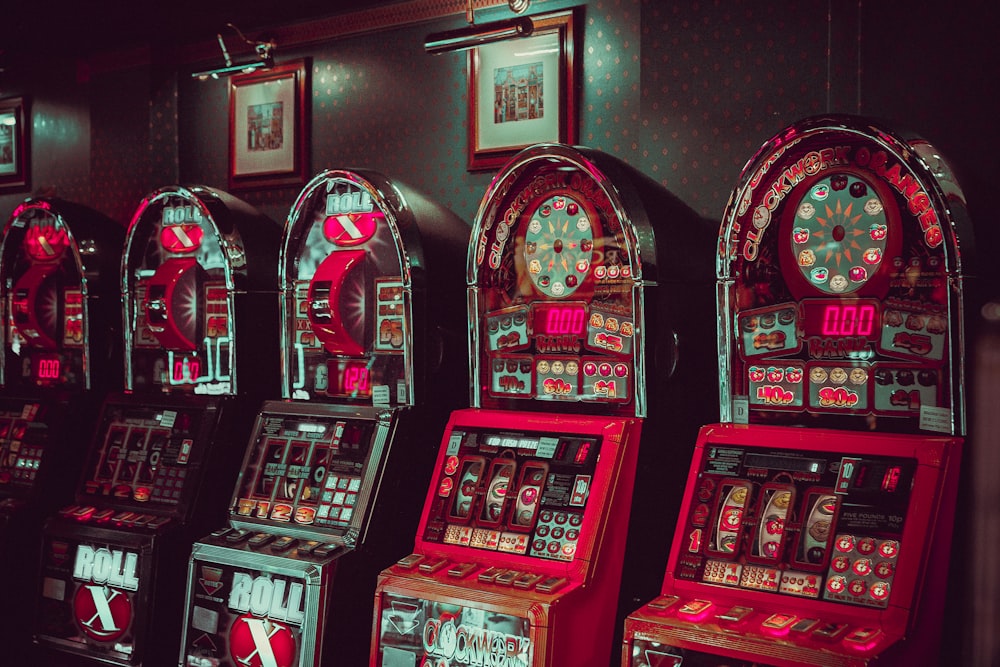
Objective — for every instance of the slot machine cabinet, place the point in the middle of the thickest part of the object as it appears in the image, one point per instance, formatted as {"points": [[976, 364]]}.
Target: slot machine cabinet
{"points": [[518, 555], [61, 350], [197, 278], [371, 274], [817, 518]]}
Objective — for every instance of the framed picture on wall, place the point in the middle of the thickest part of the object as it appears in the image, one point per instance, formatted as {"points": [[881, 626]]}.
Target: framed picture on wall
{"points": [[15, 153], [268, 127], [523, 91]]}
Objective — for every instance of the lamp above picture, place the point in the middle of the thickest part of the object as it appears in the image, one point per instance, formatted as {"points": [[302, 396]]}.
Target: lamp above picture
{"points": [[264, 51], [473, 35]]}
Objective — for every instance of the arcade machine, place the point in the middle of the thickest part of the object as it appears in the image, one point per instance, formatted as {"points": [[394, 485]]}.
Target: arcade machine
{"points": [[518, 555], [197, 265], [61, 326], [817, 518], [324, 499]]}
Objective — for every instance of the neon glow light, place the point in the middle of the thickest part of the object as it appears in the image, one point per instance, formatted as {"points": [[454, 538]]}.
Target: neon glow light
{"points": [[842, 319], [559, 320], [48, 368]]}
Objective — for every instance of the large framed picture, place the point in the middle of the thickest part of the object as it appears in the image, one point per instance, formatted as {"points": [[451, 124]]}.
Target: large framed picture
{"points": [[15, 153], [522, 91], [268, 121]]}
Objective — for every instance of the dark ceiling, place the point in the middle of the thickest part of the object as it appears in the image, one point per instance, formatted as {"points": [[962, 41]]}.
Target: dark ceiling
{"points": [[80, 29]]}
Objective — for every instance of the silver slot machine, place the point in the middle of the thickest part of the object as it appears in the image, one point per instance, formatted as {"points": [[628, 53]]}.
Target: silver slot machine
{"points": [[61, 346], [372, 316], [200, 312]]}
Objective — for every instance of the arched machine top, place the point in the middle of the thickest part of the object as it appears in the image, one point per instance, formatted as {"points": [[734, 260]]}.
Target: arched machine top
{"points": [[561, 257], [357, 254], [840, 282], [192, 253]]}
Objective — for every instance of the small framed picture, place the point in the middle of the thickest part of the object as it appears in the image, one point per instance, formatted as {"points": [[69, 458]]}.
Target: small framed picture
{"points": [[268, 122], [15, 153], [522, 91]]}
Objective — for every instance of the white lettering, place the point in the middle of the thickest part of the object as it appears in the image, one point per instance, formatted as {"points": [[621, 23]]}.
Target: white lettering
{"points": [[104, 566], [273, 597]]}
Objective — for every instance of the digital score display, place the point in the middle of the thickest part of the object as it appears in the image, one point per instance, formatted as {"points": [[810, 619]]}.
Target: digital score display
{"points": [[46, 368], [349, 378], [841, 318], [559, 319]]}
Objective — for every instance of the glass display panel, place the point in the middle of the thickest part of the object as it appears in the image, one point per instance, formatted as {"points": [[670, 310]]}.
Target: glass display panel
{"points": [[24, 435], [556, 275], [178, 275], [305, 470], [45, 329], [513, 492], [841, 299], [818, 525], [347, 297], [146, 458], [419, 631]]}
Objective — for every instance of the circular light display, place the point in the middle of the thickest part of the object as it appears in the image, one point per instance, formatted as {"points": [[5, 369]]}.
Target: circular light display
{"points": [[559, 246], [839, 234], [46, 240]]}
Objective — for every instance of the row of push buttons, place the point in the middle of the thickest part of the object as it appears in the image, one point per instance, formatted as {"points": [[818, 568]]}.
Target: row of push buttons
{"points": [[278, 544], [780, 624], [486, 575], [89, 514]]}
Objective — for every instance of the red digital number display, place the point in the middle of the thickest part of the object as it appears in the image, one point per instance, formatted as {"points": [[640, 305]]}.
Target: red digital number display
{"points": [[349, 379], [186, 370], [841, 319], [566, 319], [47, 369]]}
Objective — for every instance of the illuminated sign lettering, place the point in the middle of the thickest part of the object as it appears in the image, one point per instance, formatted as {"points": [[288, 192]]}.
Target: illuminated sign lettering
{"points": [[467, 645], [105, 566], [273, 597]]}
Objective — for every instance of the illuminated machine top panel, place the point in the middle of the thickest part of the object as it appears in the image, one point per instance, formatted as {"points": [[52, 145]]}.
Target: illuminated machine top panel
{"points": [[58, 261], [555, 287], [191, 256], [840, 283], [351, 264]]}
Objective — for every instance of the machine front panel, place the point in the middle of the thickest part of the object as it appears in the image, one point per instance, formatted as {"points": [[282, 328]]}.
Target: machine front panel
{"points": [[798, 546], [522, 493], [418, 629], [240, 612], [147, 459], [307, 471], [93, 593], [530, 494]]}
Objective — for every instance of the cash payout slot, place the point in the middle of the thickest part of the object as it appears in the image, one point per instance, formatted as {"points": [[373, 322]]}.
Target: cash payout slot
{"points": [[371, 294], [526, 517], [196, 263], [818, 516], [60, 336]]}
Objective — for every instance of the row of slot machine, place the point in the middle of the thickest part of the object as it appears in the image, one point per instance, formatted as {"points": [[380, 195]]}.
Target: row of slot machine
{"points": [[288, 477]]}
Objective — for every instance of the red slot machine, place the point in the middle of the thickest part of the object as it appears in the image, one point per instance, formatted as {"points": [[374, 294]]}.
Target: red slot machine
{"points": [[818, 515], [518, 555], [371, 273], [61, 351], [197, 265]]}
